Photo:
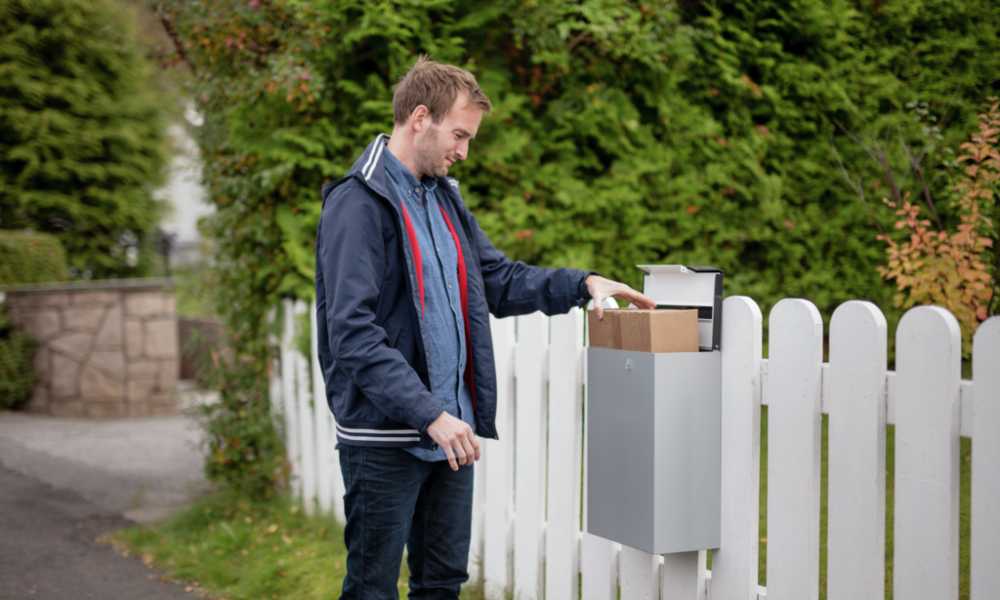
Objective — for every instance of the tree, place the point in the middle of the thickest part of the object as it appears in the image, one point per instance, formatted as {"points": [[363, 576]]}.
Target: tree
{"points": [[81, 132]]}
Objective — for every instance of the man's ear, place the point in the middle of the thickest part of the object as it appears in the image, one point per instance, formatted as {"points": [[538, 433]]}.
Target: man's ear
{"points": [[419, 118]]}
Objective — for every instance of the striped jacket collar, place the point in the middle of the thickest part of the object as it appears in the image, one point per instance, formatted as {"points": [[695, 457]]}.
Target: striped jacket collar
{"points": [[370, 166]]}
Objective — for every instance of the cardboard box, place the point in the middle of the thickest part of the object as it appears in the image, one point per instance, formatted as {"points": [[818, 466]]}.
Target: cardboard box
{"points": [[605, 333], [661, 330]]}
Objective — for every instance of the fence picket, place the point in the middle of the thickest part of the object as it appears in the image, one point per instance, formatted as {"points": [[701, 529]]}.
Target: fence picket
{"points": [[562, 560], [331, 491], [478, 515], [274, 379], [598, 567], [928, 366], [857, 369], [338, 477], [289, 398], [529, 455], [734, 565], [324, 452], [307, 422], [794, 421], [498, 470], [985, 542], [678, 573], [476, 536], [639, 574]]}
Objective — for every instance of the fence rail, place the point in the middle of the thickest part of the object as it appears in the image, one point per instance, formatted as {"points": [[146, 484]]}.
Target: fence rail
{"points": [[529, 538]]}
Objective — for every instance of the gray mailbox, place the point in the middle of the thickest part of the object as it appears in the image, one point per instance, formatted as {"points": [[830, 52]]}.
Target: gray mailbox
{"points": [[654, 427]]}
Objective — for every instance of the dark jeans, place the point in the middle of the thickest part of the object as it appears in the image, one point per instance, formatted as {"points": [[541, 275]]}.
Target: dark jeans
{"points": [[394, 499]]}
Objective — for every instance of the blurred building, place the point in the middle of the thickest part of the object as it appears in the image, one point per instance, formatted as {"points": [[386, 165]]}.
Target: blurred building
{"points": [[185, 199]]}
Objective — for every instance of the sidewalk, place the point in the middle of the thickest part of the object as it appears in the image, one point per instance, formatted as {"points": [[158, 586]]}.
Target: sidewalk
{"points": [[48, 549], [143, 468]]}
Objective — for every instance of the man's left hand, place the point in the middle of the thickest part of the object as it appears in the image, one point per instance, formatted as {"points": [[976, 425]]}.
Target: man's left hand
{"points": [[601, 288]]}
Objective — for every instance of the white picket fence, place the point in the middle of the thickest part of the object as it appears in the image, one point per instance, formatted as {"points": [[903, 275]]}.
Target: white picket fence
{"points": [[528, 535]]}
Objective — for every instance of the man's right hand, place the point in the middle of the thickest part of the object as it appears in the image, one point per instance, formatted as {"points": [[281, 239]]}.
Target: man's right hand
{"points": [[456, 438]]}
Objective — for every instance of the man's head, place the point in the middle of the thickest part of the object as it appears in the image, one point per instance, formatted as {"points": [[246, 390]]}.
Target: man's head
{"points": [[437, 109]]}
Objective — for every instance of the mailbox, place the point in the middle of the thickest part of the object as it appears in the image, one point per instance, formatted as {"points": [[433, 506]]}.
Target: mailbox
{"points": [[654, 427]]}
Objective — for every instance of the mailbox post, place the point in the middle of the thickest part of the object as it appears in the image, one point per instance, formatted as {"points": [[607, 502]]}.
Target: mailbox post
{"points": [[654, 427]]}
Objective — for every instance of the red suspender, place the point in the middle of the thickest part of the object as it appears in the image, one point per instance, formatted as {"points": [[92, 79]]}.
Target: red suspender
{"points": [[415, 247], [463, 288]]}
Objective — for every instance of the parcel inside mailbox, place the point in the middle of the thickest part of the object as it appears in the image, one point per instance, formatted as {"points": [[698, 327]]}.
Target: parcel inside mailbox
{"points": [[659, 330]]}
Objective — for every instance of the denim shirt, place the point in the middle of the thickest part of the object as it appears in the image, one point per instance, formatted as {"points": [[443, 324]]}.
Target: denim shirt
{"points": [[442, 318]]}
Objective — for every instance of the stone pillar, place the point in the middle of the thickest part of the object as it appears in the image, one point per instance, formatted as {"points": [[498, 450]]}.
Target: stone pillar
{"points": [[106, 348]]}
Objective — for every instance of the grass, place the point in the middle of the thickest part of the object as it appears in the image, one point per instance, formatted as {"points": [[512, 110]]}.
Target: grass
{"points": [[230, 547]]}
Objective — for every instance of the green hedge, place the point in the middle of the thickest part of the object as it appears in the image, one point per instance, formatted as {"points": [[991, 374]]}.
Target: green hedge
{"points": [[25, 257], [30, 257], [744, 134], [82, 136], [17, 375], [755, 135]]}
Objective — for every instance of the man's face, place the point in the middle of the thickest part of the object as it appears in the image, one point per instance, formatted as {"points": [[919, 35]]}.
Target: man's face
{"points": [[440, 145]]}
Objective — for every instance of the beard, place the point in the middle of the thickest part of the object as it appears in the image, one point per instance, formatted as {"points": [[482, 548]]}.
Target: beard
{"points": [[431, 159]]}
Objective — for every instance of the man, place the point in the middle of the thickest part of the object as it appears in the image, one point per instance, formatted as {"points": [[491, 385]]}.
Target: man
{"points": [[405, 282]]}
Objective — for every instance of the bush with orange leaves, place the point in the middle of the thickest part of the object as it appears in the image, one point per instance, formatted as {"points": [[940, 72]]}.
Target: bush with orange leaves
{"points": [[953, 267]]}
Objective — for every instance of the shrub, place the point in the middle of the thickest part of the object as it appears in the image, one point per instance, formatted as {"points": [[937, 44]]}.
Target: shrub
{"points": [[17, 375], [81, 131], [30, 257], [952, 267], [25, 257], [245, 450]]}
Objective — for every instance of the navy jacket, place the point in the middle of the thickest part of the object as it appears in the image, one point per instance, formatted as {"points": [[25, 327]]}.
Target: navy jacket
{"points": [[368, 302]]}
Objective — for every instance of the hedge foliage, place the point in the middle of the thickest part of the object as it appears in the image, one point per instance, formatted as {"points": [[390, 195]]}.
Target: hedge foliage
{"points": [[756, 135], [31, 257], [724, 133], [17, 375], [25, 257], [81, 132]]}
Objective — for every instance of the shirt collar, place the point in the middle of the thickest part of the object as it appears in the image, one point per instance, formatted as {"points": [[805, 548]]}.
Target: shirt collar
{"points": [[404, 177]]}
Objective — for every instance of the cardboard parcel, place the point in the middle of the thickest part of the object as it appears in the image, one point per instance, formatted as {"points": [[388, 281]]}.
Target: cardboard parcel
{"points": [[659, 330]]}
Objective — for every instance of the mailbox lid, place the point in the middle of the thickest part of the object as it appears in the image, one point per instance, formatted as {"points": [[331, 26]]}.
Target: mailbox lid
{"points": [[684, 286]]}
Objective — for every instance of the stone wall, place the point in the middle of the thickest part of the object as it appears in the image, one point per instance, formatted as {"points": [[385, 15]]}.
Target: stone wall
{"points": [[106, 348]]}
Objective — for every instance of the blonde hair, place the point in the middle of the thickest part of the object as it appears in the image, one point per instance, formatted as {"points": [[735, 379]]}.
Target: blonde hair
{"points": [[436, 86]]}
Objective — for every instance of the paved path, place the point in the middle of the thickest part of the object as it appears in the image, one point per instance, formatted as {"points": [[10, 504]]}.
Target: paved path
{"points": [[65, 482], [143, 468], [48, 549]]}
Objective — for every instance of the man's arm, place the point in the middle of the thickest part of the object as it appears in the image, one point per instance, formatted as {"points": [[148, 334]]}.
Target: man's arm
{"points": [[514, 288], [352, 258]]}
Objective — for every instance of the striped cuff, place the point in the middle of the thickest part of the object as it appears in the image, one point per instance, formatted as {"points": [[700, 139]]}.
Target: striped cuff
{"points": [[401, 437]]}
